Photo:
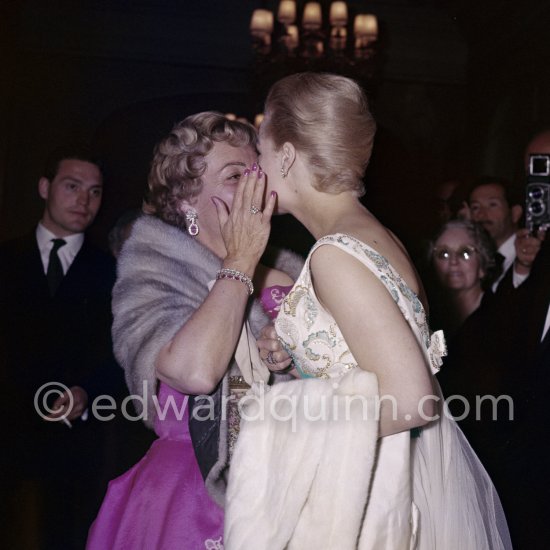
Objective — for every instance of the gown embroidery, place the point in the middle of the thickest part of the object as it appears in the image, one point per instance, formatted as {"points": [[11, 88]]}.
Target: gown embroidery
{"points": [[302, 322], [428, 491], [425, 493]]}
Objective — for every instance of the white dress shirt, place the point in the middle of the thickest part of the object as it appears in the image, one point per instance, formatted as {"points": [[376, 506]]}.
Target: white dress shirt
{"points": [[66, 253], [508, 250]]}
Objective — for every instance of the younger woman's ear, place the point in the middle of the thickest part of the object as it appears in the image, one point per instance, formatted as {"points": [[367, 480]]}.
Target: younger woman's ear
{"points": [[288, 156]]}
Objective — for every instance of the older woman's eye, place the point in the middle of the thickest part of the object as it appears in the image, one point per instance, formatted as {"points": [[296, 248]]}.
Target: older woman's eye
{"points": [[467, 252], [442, 254], [235, 177]]}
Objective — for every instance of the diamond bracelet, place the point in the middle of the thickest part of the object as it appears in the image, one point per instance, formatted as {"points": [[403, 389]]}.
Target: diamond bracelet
{"points": [[226, 273]]}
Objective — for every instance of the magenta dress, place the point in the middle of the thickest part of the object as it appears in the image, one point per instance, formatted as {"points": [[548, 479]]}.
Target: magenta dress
{"points": [[161, 503]]}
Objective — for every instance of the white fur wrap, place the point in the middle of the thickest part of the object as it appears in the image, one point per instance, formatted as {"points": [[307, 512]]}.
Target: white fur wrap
{"points": [[303, 483]]}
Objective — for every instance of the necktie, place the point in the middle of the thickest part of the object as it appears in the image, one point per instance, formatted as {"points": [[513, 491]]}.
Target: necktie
{"points": [[506, 283], [55, 269], [499, 259], [502, 277]]}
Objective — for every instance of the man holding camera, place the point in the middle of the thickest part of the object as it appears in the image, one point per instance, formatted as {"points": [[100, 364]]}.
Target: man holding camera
{"points": [[503, 350]]}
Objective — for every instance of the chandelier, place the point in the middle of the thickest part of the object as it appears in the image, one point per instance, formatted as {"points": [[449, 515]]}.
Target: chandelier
{"points": [[334, 44]]}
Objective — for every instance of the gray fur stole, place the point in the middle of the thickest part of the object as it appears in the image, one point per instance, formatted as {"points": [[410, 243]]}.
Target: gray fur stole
{"points": [[162, 278]]}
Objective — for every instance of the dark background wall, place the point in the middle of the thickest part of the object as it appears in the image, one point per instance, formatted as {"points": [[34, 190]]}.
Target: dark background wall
{"points": [[463, 85]]}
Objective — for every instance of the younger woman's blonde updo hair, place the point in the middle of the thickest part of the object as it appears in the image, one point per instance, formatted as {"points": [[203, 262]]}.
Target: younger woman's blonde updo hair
{"points": [[327, 118], [178, 161]]}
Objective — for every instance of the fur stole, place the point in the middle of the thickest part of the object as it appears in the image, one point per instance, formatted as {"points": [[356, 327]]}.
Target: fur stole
{"points": [[302, 466], [163, 277]]}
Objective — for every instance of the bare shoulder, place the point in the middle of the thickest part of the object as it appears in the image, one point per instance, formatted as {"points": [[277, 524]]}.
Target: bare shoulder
{"points": [[328, 260], [339, 277], [385, 243]]}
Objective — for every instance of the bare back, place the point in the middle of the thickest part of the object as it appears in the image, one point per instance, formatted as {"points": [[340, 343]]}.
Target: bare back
{"points": [[370, 231]]}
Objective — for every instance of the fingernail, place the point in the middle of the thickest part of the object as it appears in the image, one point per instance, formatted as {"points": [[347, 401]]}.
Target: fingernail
{"points": [[246, 172], [260, 174], [254, 167], [273, 193]]}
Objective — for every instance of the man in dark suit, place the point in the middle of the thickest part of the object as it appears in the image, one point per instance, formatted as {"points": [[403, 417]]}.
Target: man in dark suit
{"points": [[495, 204], [503, 350], [55, 354]]}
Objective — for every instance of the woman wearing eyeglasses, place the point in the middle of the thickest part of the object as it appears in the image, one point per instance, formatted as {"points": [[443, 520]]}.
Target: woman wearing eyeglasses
{"points": [[463, 260]]}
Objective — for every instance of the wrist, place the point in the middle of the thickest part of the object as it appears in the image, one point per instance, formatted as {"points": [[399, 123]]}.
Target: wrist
{"points": [[247, 267], [236, 275]]}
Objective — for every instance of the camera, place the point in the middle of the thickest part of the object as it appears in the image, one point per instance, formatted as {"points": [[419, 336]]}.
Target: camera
{"points": [[537, 201]]}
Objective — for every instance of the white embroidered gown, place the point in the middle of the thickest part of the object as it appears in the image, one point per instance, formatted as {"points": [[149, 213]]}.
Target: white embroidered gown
{"points": [[428, 490]]}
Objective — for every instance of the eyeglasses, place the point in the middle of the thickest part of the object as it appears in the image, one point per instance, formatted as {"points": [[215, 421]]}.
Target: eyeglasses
{"points": [[464, 253]]}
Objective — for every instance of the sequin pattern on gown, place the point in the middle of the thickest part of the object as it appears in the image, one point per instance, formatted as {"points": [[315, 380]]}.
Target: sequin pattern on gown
{"points": [[312, 337]]}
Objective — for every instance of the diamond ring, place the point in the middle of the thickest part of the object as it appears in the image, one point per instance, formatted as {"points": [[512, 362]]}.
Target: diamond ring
{"points": [[269, 359], [254, 210]]}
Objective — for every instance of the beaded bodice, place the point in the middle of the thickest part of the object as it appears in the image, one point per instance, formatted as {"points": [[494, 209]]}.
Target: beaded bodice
{"points": [[310, 334]]}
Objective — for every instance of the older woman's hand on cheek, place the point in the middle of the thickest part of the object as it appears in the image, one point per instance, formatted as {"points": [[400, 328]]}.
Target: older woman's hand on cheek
{"points": [[245, 229], [272, 352]]}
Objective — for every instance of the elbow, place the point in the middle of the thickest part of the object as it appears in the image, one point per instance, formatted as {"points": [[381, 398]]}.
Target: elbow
{"points": [[417, 405], [190, 382], [201, 383], [413, 413], [425, 406], [426, 411]]}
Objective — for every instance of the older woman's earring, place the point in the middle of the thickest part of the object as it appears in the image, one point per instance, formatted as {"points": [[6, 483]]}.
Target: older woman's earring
{"points": [[283, 173], [192, 226]]}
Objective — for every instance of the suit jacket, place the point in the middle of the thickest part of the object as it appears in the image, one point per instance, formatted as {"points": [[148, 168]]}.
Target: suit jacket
{"points": [[63, 339], [498, 351]]}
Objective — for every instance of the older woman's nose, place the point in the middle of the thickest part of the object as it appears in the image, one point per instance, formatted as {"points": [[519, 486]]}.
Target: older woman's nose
{"points": [[453, 257]]}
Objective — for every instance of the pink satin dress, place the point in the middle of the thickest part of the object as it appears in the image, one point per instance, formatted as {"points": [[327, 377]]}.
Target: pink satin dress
{"points": [[162, 502]]}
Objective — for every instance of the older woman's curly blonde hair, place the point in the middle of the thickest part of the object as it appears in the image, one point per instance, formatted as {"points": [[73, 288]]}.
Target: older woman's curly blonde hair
{"points": [[178, 161]]}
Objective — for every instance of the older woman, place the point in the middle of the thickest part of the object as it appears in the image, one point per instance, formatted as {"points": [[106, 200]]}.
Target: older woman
{"points": [[462, 256], [349, 471], [182, 307]]}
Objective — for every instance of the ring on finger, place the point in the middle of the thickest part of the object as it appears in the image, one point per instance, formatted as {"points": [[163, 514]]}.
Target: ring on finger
{"points": [[254, 210], [270, 359]]}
